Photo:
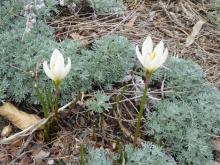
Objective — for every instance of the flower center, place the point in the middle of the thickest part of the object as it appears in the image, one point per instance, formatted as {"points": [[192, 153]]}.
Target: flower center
{"points": [[152, 55]]}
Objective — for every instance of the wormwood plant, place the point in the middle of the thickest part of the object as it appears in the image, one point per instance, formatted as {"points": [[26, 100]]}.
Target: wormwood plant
{"points": [[99, 6], [150, 154], [3, 88], [181, 76], [24, 57], [107, 6], [186, 120], [99, 103], [10, 9], [110, 59], [23, 54], [98, 157], [189, 144]]}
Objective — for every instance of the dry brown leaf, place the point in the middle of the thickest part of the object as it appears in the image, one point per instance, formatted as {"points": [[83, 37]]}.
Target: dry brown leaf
{"points": [[6, 131], [16, 143], [132, 21], [196, 29], [81, 38], [18, 118], [41, 155], [26, 160], [76, 36], [4, 158]]}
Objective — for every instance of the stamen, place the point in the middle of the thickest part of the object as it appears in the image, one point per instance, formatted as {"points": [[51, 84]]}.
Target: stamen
{"points": [[152, 55]]}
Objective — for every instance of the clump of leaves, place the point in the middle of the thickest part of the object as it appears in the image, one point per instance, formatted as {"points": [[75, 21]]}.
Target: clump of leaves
{"points": [[182, 76], [110, 59], [149, 154], [99, 103], [48, 8], [9, 10], [3, 88], [174, 125], [21, 54], [107, 6], [98, 157], [184, 121], [186, 83], [24, 53]]}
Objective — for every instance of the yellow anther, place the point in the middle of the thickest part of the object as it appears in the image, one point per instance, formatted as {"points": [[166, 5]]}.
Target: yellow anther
{"points": [[152, 55]]}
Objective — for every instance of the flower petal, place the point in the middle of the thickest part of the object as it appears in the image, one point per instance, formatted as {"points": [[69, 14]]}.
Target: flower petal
{"points": [[159, 61], [58, 70], [147, 46], [159, 49], [67, 68], [56, 57], [139, 56], [147, 63], [47, 70]]}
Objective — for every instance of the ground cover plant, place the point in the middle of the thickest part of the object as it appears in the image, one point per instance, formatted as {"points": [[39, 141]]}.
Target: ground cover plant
{"points": [[98, 98]]}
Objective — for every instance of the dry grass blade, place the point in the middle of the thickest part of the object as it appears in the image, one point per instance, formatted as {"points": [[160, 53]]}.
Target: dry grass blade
{"points": [[196, 29], [18, 118]]}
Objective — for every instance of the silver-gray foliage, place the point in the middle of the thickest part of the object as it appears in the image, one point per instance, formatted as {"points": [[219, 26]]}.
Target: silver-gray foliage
{"points": [[107, 6], [108, 61], [184, 121], [150, 154], [99, 103], [98, 157]]}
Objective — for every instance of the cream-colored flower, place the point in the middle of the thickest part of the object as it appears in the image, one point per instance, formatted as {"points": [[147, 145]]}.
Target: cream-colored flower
{"points": [[57, 70], [151, 58]]}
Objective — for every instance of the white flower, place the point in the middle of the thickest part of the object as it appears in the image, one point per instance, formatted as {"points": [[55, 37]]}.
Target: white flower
{"points": [[57, 70], [151, 58]]}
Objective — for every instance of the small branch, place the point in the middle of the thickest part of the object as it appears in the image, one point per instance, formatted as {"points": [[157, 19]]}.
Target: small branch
{"points": [[25, 132], [24, 145]]}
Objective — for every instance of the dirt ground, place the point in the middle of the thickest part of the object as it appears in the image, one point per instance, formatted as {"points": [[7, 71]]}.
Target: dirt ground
{"points": [[187, 27]]}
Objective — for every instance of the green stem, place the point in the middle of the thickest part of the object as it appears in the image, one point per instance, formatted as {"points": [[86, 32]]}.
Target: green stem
{"points": [[45, 111], [57, 98], [49, 99], [140, 114], [42, 102], [46, 131], [82, 155]]}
